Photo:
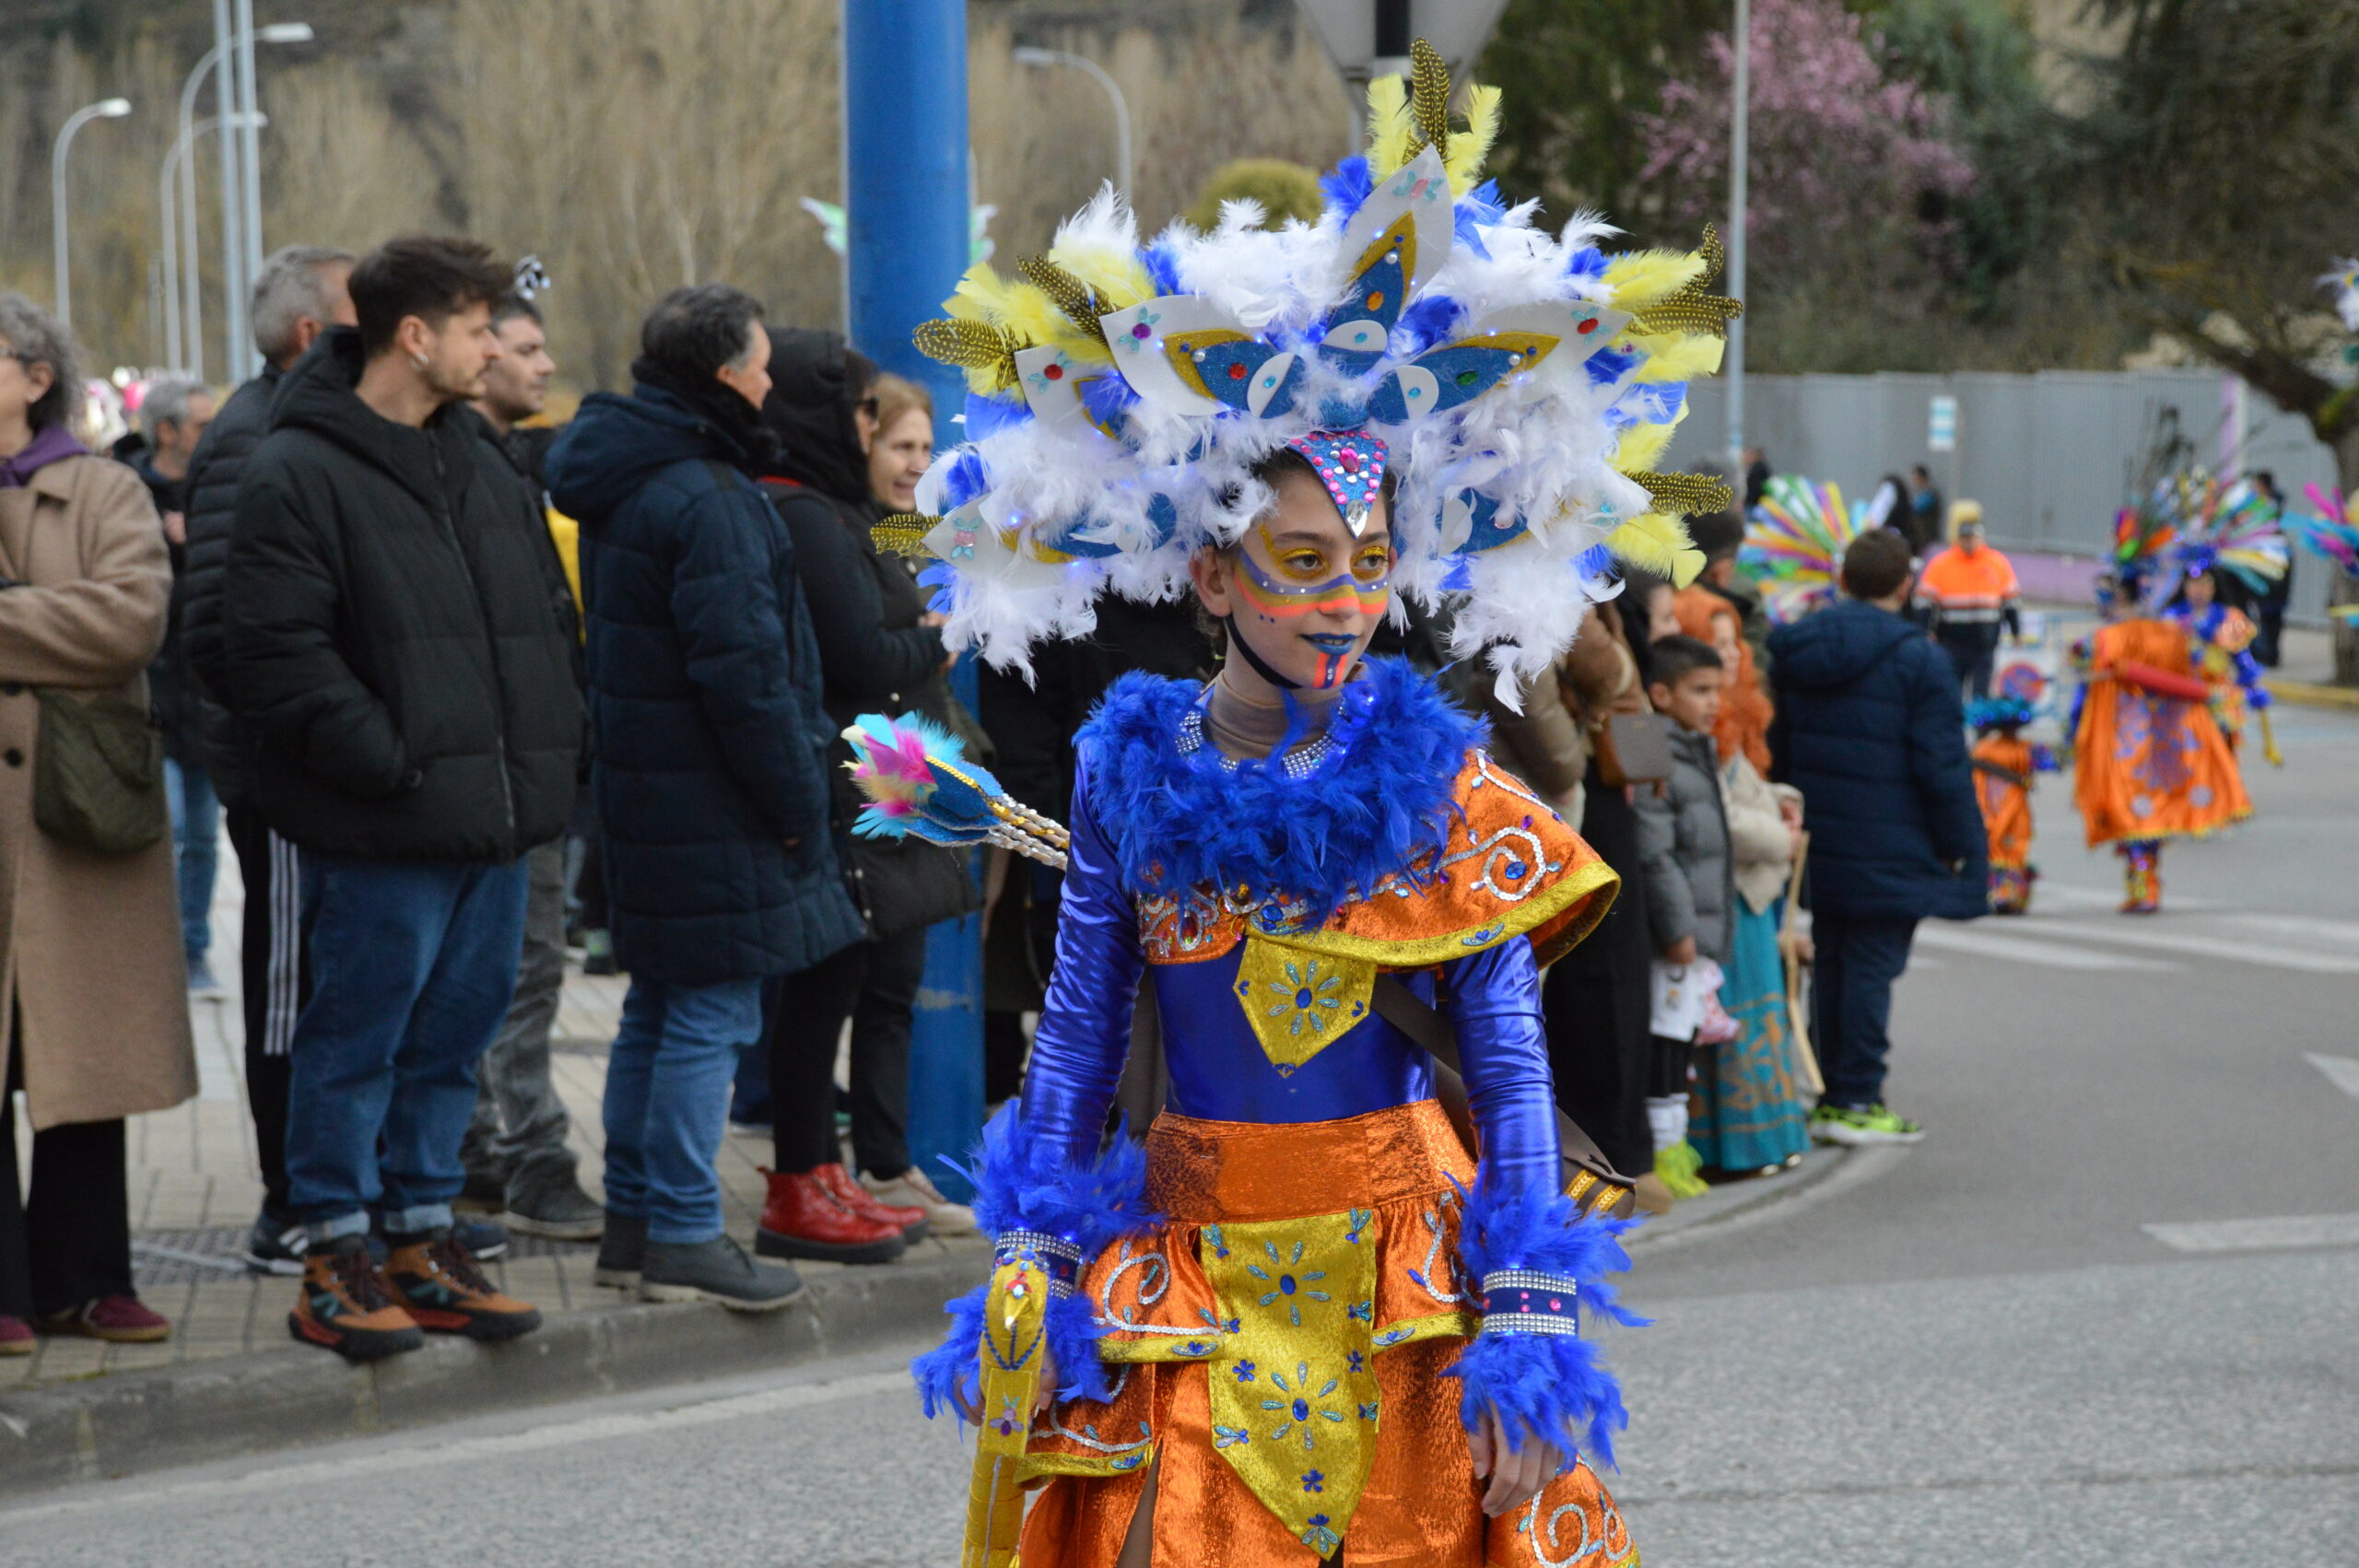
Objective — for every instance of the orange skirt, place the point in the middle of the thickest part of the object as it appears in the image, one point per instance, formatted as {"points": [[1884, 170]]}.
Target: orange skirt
{"points": [[1278, 1347]]}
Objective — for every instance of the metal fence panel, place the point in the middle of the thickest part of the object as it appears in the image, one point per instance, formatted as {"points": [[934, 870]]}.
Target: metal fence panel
{"points": [[2049, 454]]}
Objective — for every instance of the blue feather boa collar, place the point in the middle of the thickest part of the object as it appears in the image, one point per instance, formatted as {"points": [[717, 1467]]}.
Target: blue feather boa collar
{"points": [[1380, 802]]}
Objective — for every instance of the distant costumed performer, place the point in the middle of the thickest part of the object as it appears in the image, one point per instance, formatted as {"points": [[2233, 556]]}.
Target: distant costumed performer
{"points": [[2152, 759], [1304, 1320]]}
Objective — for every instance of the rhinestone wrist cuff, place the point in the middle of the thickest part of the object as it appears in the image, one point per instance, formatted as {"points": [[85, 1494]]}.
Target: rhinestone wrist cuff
{"points": [[1525, 1301], [1053, 1255]]}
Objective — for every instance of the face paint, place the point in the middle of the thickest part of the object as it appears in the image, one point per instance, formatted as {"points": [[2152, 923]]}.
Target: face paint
{"points": [[1298, 590]]}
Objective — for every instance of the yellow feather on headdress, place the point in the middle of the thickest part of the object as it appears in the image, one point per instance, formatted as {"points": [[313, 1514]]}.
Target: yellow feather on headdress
{"points": [[1010, 304], [1658, 545], [1680, 357], [1642, 445], [1391, 130], [1639, 278], [1469, 147]]}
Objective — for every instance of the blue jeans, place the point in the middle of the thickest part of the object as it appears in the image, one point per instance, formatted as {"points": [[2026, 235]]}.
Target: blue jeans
{"points": [[196, 851], [1859, 957], [412, 964], [667, 1101]]}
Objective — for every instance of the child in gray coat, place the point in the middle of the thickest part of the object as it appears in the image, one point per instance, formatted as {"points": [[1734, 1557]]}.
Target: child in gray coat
{"points": [[1694, 910]]}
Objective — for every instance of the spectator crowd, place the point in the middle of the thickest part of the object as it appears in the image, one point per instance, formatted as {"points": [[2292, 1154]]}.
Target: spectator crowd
{"points": [[464, 690]]}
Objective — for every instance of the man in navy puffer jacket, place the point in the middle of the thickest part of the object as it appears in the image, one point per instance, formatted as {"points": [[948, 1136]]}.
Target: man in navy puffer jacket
{"points": [[710, 773], [1870, 728]]}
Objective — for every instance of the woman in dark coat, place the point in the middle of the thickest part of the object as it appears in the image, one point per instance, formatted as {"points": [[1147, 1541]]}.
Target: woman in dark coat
{"points": [[880, 651], [1596, 996]]}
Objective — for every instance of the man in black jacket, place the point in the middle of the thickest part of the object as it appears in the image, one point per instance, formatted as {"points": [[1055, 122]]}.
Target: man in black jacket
{"points": [[515, 1151], [301, 294], [390, 641]]}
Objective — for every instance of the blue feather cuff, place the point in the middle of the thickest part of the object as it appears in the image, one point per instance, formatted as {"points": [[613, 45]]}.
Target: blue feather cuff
{"points": [[1540, 1261], [1031, 1198]]}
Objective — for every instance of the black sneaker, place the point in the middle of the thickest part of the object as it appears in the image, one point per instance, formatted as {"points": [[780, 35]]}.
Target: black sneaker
{"points": [[622, 1251], [718, 1270], [486, 1193], [553, 1205], [274, 1245]]}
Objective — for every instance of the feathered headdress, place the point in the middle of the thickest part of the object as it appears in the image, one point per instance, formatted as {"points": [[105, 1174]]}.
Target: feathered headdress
{"points": [[1519, 385], [2236, 529], [1794, 542]]}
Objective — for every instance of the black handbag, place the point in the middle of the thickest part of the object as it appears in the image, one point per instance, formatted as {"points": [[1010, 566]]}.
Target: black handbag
{"points": [[901, 885]]}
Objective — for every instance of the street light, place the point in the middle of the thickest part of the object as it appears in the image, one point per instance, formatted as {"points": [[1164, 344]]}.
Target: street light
{"points": [[1027, 55], [175, 347], [191, 309], [105, 109], [1740, 160]]}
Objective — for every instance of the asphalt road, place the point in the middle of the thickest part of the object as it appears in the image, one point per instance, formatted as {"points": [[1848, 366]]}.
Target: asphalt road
{"points": [[1972, 1352]]}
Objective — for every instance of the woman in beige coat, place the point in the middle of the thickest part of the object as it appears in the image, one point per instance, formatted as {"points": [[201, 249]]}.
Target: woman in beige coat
{"points": [[95, 1026]]}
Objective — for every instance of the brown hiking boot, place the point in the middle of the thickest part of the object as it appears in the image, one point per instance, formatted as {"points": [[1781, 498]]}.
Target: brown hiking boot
{"points": [[345, 1306], [437, 1280]]}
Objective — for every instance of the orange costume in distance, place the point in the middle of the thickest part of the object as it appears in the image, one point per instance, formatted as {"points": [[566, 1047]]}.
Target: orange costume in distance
{"points": [[2151, 766]]}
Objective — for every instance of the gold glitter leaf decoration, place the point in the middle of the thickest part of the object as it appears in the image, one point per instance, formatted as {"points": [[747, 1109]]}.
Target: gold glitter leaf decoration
{"points": [[1692, 308], [970, 345], [1688, 493], [903, 533], [1067, 292], [1429, 95]]}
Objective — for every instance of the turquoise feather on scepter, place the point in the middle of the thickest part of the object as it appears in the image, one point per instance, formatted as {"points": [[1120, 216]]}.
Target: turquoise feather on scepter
{"points": [[920, 784]]}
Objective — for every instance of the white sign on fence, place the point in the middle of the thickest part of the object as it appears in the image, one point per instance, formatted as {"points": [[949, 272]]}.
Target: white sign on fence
{"points": [[1940, 425]]}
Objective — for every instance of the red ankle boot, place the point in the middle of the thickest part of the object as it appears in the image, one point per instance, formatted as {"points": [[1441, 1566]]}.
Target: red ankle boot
{"points": [[911, 1223], [803, 1219]]}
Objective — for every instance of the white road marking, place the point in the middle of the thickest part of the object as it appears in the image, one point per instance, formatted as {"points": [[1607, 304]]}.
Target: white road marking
{"points": [[431, 1450], [2340, 934], [2342, 1072], [2258, 1235], [2073, 897], [2270, 955], [2022, 950]]}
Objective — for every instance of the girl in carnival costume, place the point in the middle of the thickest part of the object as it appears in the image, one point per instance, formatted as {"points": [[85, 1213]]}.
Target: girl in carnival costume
{"points": [[2152, 761], [2005, 767], [2236, 534], [1302, 1324]]}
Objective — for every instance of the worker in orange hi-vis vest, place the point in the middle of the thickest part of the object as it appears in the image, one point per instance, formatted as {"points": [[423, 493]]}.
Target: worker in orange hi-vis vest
{"points": [[1970, 589]]}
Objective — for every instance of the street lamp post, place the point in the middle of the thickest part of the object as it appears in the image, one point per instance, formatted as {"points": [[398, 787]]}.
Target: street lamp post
{"points": [[192, 309], [234, 266], [175, 164], [105, 109], [1030, 56], [1740, 161]]}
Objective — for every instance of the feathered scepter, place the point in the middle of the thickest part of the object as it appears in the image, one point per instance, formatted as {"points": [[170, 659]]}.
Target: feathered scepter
{"points": [[1794, 542], [919, 783]]}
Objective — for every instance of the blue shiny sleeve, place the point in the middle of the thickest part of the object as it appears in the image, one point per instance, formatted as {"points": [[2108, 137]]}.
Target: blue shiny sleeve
{"points": [[1084, 1032], [1503, 1047]]}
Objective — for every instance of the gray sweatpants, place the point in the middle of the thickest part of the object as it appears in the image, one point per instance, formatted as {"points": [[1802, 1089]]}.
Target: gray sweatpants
{"points": [[520, 1124]]}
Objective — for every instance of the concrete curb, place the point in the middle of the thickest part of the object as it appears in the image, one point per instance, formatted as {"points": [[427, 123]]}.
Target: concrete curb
{"points": [[2305, 694], [128, 1423], [1726, 1203]]}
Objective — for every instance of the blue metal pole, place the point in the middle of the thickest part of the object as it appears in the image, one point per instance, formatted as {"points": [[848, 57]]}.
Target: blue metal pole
{"points": [[905, 203]]}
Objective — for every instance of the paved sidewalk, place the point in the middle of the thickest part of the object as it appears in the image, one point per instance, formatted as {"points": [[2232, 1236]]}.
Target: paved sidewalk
{"points": [[196, 1189]]}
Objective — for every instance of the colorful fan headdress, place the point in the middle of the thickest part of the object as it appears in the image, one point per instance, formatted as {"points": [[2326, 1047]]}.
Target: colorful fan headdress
{"points": [[1794, 542], [1519, 386], [2329, 527]]}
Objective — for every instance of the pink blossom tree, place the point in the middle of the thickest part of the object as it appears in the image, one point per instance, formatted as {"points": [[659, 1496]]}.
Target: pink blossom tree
{"points": [[1850, 171]]}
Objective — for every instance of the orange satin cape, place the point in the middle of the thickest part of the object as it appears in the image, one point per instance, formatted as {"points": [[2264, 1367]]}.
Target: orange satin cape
{"points": [[1365, 1212], [2151, 766]]}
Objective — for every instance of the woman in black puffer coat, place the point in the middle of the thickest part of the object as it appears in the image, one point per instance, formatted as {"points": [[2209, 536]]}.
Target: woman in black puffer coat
{"points": [[880, 651]]}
